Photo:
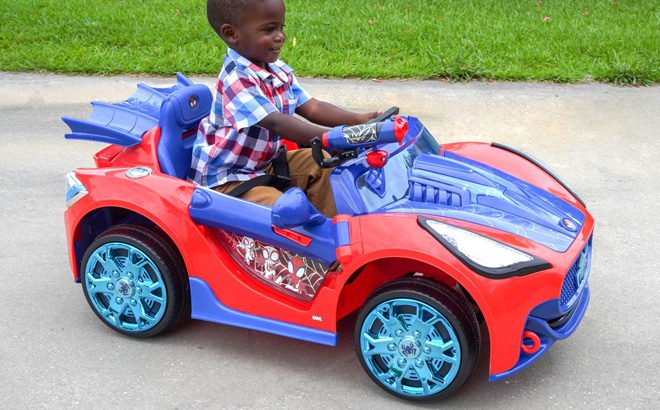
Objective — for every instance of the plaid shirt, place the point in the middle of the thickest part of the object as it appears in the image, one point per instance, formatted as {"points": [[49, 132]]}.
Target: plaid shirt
{"points": [[230, 146]]}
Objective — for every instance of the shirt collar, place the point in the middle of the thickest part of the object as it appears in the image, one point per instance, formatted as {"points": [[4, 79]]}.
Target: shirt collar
{"points": [[279, 70]]}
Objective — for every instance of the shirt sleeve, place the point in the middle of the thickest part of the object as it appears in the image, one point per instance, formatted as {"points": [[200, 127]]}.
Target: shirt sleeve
{"points": [[245, 102], [300, 93]]}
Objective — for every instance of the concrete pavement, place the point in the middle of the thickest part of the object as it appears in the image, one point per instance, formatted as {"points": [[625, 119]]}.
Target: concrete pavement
{"points": [[54, 353]]}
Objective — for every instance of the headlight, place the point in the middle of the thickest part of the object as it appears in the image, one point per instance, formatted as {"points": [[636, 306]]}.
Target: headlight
{"points": [[74, 189], [483, 255]]}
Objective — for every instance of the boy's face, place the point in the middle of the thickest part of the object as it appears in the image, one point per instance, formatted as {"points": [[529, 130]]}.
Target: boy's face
{"points": [[259, 36]]}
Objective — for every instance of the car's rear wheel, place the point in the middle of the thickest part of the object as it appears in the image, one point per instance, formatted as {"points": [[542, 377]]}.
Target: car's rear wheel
{"points": [[135, 280], [417, 339]]}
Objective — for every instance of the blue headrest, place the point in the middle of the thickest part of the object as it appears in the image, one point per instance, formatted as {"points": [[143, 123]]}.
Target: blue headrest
{"points": [[189, 105], [180, 112]]}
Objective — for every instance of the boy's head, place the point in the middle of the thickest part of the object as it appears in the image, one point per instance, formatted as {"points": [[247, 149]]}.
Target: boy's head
{"points": [[253, 28], [221, 12]]}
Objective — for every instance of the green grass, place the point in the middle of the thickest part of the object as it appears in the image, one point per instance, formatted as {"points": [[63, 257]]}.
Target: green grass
{"points": [[557, 40]]}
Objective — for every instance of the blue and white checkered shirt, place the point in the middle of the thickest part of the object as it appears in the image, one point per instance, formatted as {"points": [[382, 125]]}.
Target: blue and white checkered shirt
{"points": [[230, 146]]}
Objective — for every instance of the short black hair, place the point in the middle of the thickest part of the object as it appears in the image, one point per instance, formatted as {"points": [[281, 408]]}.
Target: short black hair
{"points": [[221, 12]]}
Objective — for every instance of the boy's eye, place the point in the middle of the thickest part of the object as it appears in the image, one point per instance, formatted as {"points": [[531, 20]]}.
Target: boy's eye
{"points": [[271, 29]]}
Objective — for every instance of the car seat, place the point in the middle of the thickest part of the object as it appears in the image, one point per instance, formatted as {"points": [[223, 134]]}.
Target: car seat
{"points": [[180, 113]]}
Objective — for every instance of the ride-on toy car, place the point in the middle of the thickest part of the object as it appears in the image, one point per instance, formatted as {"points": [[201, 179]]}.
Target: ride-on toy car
{"points": [[431, 242]]}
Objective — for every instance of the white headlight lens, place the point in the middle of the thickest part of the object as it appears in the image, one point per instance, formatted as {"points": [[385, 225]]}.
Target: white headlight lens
{"points": [[480, 250]]}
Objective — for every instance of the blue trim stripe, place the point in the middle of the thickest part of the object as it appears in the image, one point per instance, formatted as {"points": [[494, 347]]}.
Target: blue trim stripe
{"points": [[342, 234], [205, 306]]}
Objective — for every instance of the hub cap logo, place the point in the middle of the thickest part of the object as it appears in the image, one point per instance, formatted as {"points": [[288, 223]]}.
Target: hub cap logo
{"points": [[124, 288], [408, 348]]}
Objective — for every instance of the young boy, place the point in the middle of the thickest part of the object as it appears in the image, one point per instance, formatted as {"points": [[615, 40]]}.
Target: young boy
{"points": [[256, 95]]}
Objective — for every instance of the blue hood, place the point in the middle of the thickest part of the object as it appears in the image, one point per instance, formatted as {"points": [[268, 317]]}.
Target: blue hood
{"points": [[456, 187]]}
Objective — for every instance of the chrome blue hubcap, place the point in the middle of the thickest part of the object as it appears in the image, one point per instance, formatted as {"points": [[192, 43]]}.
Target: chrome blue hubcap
{"points": [[125, 287], [410, 347]]}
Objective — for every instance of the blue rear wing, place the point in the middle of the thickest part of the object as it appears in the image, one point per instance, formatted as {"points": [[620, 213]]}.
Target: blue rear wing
{"points": [[125, 122]]}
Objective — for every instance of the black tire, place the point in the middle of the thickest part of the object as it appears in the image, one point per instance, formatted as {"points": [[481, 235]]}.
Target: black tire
{"points": [[418, 360], [135, 281]]}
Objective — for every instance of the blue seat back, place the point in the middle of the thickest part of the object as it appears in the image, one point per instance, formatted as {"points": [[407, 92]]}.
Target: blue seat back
{"points": [[181, 112]]}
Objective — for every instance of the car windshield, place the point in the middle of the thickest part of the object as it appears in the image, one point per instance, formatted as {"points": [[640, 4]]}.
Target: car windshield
{"points": [[396, 171]]}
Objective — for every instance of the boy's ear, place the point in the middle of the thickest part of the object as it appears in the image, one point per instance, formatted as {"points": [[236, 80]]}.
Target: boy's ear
{"points": [[228, 33]]}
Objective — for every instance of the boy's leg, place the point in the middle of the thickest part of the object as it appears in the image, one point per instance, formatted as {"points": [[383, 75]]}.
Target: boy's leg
{"points": [[266, 195], [314, 180]]}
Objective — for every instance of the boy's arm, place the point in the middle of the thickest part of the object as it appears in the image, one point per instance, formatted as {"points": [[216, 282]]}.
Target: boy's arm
{"points": [[291, 128], [326, 114], [318, 112]]}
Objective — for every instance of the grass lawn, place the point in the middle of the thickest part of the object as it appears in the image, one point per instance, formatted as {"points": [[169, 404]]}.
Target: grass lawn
{"points": [[550, 40]]}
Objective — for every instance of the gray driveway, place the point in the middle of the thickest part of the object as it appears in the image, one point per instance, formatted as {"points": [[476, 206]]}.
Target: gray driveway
{"points": [[54, 353]]}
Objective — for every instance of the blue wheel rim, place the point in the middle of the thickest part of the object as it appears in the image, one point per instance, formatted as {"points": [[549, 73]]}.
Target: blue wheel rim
{"points": [[410, 347], [125, 287]]}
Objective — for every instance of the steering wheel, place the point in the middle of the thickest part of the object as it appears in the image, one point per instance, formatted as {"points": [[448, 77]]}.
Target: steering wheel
{"points": [[385, 115]]}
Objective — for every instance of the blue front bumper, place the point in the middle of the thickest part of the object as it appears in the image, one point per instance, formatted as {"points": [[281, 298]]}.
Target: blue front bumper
{"points": [[548, 335], [557, 319]]}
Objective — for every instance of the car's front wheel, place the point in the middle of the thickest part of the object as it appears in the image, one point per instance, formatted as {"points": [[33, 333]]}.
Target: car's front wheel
{"points": [[135, 280], [417, 339]]}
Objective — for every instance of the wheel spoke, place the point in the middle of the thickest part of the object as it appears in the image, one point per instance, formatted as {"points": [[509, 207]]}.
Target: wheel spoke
{"points": [[379, 345], [393, 323], [117, 308], [139, 314], [135, 262], [156, 299], [399, 373], [393, 376], [386, 377], [438, 350], [427, 375], [148, 291], [425, 372], [99, 285], [418, 325], [449, 359], [108, 263], [110, 316]]}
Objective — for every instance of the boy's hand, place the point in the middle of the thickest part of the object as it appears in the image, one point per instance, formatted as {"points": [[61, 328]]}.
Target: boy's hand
{"points": [[328, 115], [368, 116]]}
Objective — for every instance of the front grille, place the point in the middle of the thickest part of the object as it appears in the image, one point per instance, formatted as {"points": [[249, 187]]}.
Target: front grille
{"points": [[575, 278]]}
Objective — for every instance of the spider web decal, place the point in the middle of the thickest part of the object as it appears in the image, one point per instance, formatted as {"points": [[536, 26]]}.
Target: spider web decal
{"points": [[288, 272]]}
